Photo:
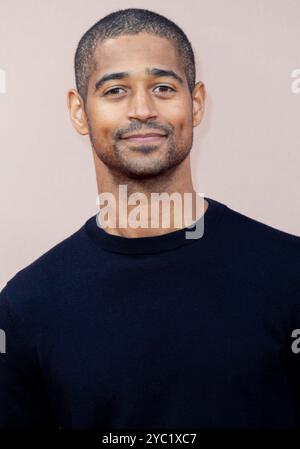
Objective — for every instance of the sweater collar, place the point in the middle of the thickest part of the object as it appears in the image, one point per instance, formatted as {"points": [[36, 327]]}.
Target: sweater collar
{"points": [[154, 244]]}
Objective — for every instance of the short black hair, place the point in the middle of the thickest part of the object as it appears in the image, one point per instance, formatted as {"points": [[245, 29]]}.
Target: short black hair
{"points": [[124, 22]]}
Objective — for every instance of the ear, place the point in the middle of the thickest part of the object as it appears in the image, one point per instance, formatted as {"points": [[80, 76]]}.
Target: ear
{"points": [[198, 97], [77, 112]]}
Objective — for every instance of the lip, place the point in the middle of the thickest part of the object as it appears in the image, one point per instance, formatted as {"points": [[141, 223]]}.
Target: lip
{"points": [[145, 138]]}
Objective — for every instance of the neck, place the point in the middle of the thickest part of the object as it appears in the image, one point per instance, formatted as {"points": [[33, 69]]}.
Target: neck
{"points": [[148, 207]]}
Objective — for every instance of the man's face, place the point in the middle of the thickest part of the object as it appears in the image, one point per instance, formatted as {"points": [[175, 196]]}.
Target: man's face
{"points": [[139, 102]]}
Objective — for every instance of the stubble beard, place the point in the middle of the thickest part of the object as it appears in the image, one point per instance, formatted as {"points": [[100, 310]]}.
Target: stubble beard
{"points": [[119, 162]]}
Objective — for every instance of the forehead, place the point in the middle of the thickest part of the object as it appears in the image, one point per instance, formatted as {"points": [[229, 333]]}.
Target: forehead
{"points": [[135, 52]]}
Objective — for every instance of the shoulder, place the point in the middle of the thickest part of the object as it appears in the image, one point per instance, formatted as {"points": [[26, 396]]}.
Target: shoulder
{"points": [[264, 248], [38, 286], [261, 233]]}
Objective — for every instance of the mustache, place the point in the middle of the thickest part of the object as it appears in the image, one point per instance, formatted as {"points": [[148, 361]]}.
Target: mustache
{"points": [[139, 127]]}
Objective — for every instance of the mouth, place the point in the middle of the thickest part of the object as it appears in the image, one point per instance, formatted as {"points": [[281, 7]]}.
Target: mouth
{"points": [[145, 138]]}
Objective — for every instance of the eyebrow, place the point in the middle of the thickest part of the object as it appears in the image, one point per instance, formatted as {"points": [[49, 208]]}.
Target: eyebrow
{"points": [[152, 72]]}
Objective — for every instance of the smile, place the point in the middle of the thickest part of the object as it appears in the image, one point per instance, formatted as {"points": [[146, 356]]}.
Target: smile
{"points": [[145, 139]]}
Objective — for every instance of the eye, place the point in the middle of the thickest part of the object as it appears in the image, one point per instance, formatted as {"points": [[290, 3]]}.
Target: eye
{"points": [[111, 91], [166, 87]]}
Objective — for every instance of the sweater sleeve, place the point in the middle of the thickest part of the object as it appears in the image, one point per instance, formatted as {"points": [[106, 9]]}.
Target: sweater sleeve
{"points": [[22, 398]]}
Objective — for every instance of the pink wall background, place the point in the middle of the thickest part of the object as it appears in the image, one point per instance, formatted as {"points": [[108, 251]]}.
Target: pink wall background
{"points": [[245, 153]]}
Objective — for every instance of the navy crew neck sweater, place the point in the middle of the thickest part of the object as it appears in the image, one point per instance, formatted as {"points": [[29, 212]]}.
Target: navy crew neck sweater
{"points": [[104, 331]]}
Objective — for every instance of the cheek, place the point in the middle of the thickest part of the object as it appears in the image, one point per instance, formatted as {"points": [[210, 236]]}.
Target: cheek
{"points": [[184, 130], [104, 122], [181, 115], [183, 125]]}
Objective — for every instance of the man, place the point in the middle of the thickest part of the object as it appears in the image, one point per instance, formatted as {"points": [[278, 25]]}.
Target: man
{"points": [[121, 326]]}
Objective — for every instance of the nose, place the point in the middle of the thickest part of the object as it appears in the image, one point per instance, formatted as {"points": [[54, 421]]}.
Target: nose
{"points": [[141, 106]]}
